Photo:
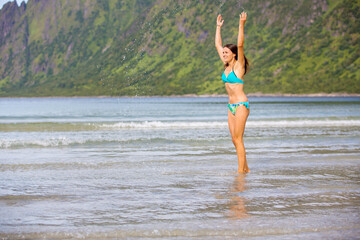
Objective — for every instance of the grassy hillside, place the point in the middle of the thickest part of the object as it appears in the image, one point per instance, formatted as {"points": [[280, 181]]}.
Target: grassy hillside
{"points": [[124, 47]]}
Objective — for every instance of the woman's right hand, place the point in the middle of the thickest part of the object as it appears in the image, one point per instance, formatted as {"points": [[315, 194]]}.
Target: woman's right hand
{"points": [[243, 17], [219, 21]]}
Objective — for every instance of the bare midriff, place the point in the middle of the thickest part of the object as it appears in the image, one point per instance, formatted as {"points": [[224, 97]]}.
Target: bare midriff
{"points": [[235, 92]]}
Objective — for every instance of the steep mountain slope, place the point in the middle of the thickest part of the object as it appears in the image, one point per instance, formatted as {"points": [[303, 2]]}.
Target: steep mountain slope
{"points": [[148, 47]]}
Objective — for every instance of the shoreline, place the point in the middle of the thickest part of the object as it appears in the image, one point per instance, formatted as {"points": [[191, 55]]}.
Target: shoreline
{"points": [[259, 94]]}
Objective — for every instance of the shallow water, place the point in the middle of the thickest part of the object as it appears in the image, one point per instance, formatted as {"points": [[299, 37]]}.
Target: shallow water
{"points": [[165, 168]]}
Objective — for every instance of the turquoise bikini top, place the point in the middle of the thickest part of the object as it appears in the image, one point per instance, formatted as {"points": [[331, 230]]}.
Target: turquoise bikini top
{"points": [[231, 78]]}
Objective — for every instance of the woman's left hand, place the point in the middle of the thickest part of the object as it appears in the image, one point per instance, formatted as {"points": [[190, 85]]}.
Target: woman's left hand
{"points": [[243, 16]]}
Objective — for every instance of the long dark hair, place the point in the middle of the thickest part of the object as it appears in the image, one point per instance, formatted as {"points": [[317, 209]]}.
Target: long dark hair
{"points": [[234, 49]]}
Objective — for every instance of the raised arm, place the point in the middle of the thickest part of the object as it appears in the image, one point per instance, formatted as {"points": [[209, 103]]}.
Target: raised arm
{"points": [[240, 42], [218, 42]]}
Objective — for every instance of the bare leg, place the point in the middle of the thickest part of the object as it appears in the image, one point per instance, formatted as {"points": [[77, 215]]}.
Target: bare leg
{"points": [[237, 128]]}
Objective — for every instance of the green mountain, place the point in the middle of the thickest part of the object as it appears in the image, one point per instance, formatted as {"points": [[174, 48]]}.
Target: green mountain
{"points": [[148, 47]]}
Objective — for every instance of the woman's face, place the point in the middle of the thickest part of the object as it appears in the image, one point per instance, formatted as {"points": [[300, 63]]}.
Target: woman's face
{"points": [[228, 55]]}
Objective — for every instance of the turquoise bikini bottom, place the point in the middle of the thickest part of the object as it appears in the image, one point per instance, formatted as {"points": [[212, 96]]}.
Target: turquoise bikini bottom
{"points": [[234, 106]]}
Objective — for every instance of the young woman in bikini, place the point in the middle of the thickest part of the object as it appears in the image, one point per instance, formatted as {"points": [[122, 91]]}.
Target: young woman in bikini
{"points": [[236, 65]]}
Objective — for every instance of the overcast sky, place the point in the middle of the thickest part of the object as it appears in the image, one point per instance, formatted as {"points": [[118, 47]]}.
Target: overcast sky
{"points": [[2, 2]]}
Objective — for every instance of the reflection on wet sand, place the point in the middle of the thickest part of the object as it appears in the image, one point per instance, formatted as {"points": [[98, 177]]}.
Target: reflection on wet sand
{"points": [[237, 205]]}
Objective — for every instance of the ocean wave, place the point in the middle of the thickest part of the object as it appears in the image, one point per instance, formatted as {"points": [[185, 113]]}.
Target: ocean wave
{"points": [[55, 140], [224, 124], [41, 142], [163, 125], [100, 126], [159, 133], [304, 123]]}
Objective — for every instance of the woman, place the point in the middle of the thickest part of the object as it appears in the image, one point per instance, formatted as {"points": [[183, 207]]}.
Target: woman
{"points": [[236, 65]]}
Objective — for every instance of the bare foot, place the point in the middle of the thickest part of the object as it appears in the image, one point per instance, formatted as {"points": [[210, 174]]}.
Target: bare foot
{"points": [[244, 170]]}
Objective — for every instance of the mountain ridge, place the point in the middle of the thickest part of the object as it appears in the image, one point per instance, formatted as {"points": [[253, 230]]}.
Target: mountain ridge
{"points": [[115, 48]]}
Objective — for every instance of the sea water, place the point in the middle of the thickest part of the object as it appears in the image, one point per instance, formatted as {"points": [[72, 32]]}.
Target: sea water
{"points": [[107, 168]]}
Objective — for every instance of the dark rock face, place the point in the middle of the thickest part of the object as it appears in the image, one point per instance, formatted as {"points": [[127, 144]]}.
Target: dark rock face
{"points": [[13, 40], [9, 15]]}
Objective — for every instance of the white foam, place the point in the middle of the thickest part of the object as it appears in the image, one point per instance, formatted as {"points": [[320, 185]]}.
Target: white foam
{"points": [[224, 124], [304, 123], [164, 125], [90, 135], [40, 142]]}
